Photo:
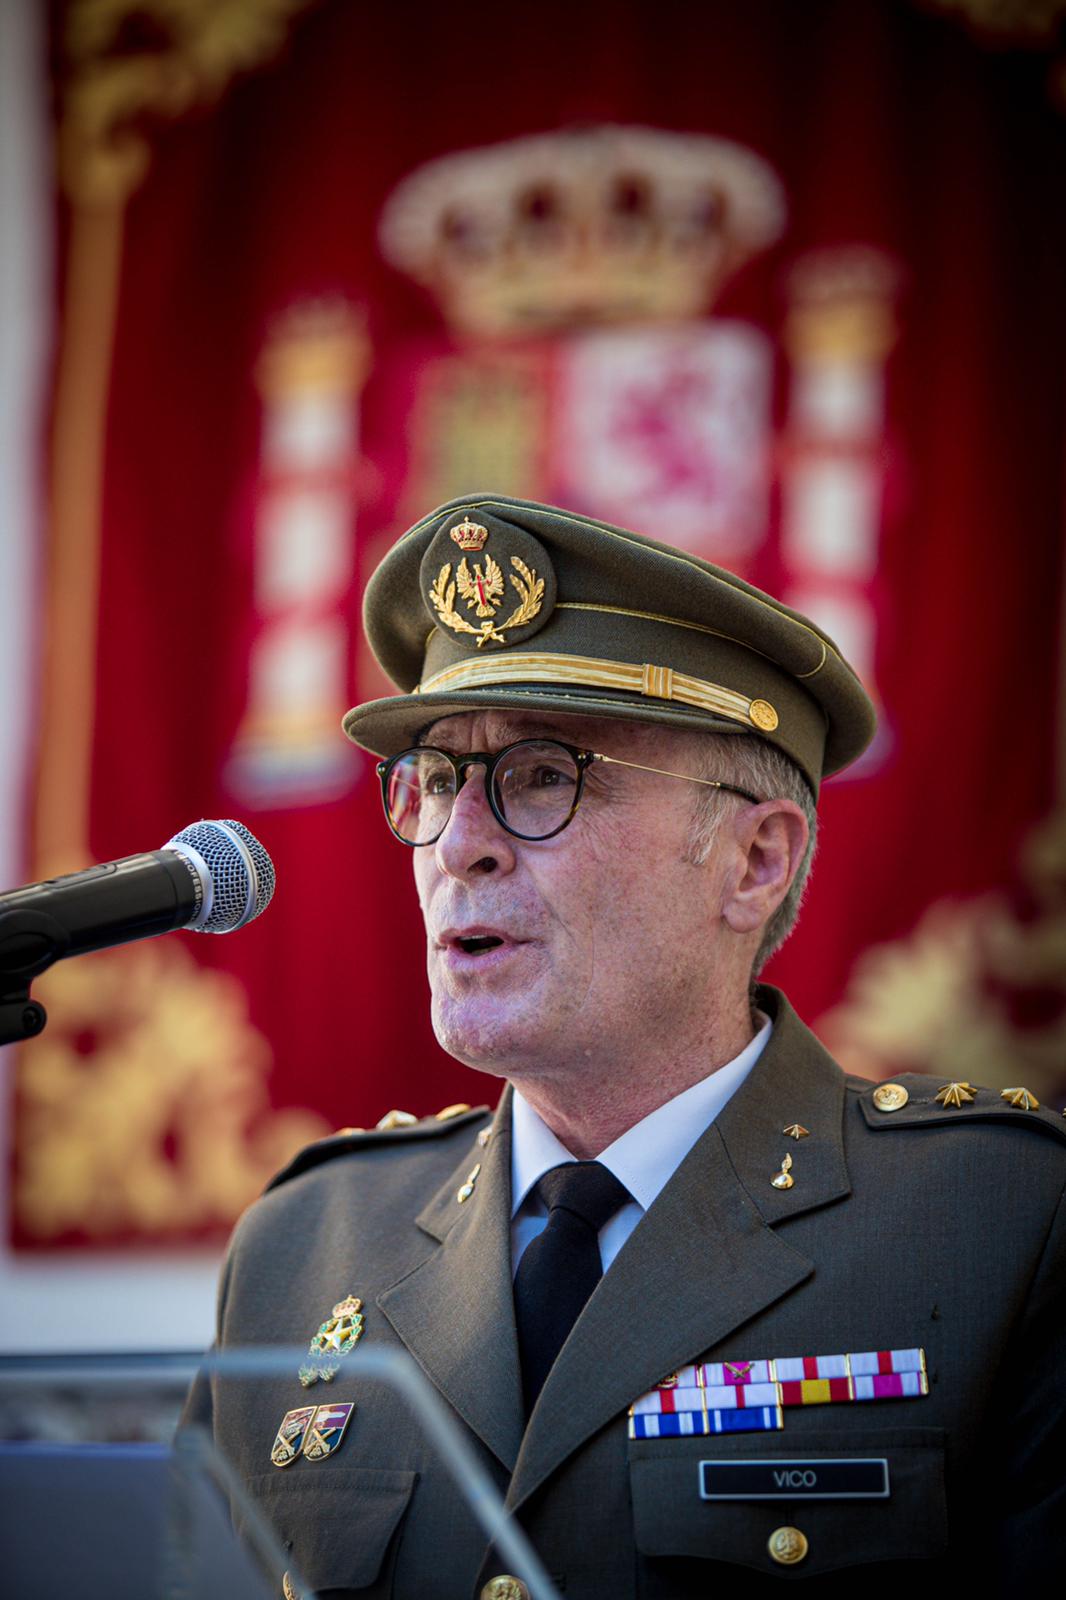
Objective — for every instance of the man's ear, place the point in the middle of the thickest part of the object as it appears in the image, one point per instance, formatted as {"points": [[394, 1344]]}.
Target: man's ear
{"points": [[770, 841]]}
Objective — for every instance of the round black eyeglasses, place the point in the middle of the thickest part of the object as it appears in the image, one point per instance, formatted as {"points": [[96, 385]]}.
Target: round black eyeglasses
{"points": [[533, 787]]}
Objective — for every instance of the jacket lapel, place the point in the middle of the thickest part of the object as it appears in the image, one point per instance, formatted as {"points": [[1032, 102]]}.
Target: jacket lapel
{"points": [[705, 1258], [455, 1311]]}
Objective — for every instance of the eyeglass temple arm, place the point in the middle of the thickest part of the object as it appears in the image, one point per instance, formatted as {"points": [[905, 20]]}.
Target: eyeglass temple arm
{"points": [[709, 783]]}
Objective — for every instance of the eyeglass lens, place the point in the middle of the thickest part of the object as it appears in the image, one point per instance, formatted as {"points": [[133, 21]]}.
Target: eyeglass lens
{"points": [[533, 789]]}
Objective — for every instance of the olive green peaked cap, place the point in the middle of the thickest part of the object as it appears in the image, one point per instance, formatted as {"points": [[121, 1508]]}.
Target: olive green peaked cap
{"points": [[493, 602]]}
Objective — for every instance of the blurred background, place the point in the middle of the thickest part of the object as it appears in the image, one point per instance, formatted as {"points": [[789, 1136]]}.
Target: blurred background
{"points": [[783, 284]]}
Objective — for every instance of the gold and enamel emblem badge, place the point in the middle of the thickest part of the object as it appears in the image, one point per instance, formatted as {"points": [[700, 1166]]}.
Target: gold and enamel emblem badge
{"points": [[327, 1430], [482, 590], [289, 1440], [336, 1336], [313, 1431], [498, 588]]}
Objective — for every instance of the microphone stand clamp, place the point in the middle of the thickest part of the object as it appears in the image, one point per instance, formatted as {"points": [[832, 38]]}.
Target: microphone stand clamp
{"points": [[30, 941]]}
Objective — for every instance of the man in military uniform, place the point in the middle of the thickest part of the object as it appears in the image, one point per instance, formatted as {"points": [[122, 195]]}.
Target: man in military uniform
{"points": [[713, 1315]]}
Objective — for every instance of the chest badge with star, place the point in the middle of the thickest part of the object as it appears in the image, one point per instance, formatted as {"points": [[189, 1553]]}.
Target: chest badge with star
{"points": [[336, 1336]]}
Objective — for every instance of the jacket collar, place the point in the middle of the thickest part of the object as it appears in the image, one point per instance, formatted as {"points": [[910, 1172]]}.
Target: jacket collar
{"points": [[708, 1248], [455, 1311]]}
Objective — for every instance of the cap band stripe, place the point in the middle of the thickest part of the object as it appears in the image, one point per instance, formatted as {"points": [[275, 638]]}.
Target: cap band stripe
{"points": [[660, 683]]}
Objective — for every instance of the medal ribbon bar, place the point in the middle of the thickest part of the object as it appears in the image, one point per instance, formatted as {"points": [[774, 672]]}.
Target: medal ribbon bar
{"points": [[686, 1402]]}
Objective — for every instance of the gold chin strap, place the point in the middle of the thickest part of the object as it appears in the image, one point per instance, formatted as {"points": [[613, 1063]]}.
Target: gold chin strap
{"points": [[658, 683]]}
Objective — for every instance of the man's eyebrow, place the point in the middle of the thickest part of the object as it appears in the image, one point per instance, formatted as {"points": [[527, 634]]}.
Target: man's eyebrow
{"points": [[509, 733]]}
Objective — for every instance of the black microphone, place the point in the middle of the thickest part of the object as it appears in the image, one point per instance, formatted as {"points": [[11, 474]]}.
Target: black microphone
{"points": [[212, 877]]}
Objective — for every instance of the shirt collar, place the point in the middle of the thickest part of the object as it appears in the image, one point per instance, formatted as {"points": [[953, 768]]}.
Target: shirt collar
{"points": [[647, 1155]]}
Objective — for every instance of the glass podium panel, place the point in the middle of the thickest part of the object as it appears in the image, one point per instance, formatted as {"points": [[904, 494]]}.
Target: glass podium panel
{"points": [[101, 1498]]}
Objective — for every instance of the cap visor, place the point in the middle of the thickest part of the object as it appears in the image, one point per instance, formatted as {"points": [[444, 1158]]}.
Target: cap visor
{"points": [[386, 726]]}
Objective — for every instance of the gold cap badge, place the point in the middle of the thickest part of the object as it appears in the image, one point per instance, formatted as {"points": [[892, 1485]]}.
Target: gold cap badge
{"points": [[501, 598]]}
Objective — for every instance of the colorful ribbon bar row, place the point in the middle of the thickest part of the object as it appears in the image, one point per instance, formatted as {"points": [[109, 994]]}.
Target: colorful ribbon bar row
{"points": [[787, 1369], [684, 1424], [713, 1387]]}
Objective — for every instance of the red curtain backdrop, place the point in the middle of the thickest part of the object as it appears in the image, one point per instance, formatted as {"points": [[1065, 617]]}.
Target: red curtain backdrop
{"points": [[278, 397]]}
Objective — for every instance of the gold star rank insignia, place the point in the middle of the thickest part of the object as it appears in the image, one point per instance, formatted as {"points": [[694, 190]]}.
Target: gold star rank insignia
{"points": [[955, 1094], [1020, 1098]]}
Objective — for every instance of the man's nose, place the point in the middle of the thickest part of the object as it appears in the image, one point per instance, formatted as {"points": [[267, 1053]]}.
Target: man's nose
{"points": [[473, 843]]}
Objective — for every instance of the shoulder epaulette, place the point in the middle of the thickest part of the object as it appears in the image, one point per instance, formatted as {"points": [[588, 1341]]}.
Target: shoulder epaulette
{"points": [[915, 1099], [394, 1128]]}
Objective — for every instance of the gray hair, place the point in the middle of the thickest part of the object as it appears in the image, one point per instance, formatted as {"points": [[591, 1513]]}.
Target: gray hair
{"points": [[753, 764]]}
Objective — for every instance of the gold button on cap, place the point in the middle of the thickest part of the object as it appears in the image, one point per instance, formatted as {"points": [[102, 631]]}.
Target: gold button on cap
{"points": [[890, 1097], [763, 715], [505, 1587], [787, 1546]]}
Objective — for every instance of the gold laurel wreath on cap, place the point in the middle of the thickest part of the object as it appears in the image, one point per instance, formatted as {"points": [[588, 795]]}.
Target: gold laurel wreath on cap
{"points": [[442, 596]]}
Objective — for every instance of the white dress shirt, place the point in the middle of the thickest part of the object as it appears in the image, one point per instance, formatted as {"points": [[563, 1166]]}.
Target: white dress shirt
{"points": [[644, 1158]]}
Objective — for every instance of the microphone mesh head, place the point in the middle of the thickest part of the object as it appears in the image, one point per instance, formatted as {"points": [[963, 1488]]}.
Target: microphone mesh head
{"points": [[242, 874]]}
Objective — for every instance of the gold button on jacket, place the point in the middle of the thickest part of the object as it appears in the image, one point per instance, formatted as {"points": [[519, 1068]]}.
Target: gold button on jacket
{"points": [[787, 1546], [504, 1587]]}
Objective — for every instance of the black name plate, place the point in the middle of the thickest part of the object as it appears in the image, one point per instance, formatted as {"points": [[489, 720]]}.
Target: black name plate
{"points": [[813, 1478]]}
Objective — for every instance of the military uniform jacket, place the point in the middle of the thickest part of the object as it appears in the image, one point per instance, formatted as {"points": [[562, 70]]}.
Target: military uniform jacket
{"points": [[931, 1226]]}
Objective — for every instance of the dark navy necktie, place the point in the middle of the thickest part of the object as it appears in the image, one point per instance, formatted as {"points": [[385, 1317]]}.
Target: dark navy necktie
{"points": [[560, 1267]]}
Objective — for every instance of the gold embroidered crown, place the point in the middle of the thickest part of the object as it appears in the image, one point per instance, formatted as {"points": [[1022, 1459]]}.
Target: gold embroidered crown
{"points": [[598, 225], [469, 535]]}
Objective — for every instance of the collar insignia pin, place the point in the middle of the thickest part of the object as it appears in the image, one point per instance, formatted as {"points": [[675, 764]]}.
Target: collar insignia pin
{"points": [[784, 1178], [1022, 1098], [795, 1130], [336, 1336], [467, 1188]]}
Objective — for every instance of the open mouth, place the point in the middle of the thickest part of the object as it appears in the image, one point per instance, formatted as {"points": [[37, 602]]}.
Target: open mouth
{"points": [[475, 946]]}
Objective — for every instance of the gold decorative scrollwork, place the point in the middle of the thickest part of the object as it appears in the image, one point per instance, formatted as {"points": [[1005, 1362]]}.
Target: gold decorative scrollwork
{"points": [[143, 1108], [940, 1000], [128, 60]]}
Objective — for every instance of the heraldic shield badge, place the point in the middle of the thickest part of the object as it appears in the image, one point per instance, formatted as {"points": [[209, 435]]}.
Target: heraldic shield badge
{"points": [[314, 1431]]}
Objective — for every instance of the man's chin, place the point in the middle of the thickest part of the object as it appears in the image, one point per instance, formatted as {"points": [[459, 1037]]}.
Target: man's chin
{"points": [[482, 1039]]}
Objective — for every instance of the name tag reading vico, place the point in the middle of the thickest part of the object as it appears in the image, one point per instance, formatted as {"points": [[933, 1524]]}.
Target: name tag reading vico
{"points": [[813, 1478]]}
